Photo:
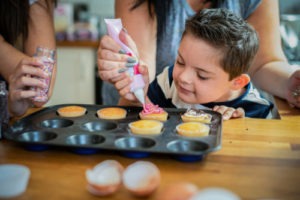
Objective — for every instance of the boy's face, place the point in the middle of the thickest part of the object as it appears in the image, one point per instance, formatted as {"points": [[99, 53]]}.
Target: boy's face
{"points": [[198, 75]]}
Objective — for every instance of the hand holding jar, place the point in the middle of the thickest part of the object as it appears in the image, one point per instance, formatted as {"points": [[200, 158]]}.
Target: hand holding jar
{"points": [[29, 83], [47, 58]]}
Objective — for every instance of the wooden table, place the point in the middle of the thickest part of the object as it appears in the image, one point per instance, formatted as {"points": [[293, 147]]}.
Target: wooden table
{"points": [[259, 159]]}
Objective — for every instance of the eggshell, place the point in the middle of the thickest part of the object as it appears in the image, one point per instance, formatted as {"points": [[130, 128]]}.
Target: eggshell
{"points": [[177, 191], [141, 178], [105, 178], [215, 193]]}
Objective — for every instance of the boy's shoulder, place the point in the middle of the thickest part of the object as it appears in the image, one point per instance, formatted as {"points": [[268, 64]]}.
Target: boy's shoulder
{"points": [[252, 101], [252, 94], [255, 104]]}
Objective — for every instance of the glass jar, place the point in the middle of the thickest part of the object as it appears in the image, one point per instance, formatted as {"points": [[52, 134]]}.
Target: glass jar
{"points": [[47, 57]]}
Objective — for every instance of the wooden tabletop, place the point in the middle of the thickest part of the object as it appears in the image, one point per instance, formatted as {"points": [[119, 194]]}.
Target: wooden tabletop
{"points": [[259, 159]]}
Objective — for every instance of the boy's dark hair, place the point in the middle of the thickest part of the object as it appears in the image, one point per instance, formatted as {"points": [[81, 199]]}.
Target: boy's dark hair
{"points": [[222, 29]]}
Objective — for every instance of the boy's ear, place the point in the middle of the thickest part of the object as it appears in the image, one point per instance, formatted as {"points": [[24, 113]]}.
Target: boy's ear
{"points": [[240, 81]]}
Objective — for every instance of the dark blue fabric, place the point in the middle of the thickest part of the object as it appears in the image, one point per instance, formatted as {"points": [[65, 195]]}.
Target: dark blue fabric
{"points": [[157, 96]]}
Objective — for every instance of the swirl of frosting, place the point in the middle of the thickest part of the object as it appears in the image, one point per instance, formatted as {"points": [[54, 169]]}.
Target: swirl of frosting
{"points": [[195, 113], [149, 108]]}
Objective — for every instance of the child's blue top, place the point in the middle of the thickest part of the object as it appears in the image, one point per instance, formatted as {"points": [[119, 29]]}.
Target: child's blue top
{"points": [[162, 92]]}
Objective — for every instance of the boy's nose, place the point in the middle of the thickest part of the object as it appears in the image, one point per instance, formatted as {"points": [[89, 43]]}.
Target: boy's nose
{"points": [[186, 76]]}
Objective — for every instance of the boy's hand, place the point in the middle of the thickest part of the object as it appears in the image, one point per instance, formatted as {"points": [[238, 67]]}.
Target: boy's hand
{"points": [[229, 112]]}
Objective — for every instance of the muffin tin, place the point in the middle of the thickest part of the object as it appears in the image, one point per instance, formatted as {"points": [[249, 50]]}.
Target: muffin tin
{"points": [[88, 133]]}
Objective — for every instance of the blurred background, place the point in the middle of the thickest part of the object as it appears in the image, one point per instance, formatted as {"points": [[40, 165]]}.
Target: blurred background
{"points": [[79, 24], [290, 29], [82, 19]]}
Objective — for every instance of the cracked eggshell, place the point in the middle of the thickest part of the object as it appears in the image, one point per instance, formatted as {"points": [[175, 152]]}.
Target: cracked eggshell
{"points": [[105, 178], [141, 178], [178, 191], [215, 193]]}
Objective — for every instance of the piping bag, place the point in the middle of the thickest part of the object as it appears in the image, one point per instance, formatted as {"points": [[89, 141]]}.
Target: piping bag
{"points": [[114, 27]]}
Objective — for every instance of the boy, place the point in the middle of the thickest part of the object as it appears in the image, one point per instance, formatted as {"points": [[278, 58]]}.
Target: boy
{"points": [[215, 53]]}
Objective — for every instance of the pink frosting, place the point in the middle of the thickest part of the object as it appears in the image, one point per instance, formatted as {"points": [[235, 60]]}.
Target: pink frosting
{"points": [[149, 108]]}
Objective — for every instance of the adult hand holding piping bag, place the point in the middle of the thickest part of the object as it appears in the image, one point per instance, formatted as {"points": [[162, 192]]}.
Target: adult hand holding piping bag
{"points": [[120, 57]]}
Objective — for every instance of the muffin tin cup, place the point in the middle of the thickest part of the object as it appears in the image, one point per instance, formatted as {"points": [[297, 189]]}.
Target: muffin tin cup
{"points": [[89, 134]]}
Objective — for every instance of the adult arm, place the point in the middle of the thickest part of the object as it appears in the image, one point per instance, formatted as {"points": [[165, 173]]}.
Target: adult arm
{"points": [[41, 31], [270, 70], [14, 63], [142, 28]]}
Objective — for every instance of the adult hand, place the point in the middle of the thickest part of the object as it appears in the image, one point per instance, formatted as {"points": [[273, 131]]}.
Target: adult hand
{"points": [[124, 86], [228, 112], [293, 91], [113, 64], [112, 59], [25, 76]]}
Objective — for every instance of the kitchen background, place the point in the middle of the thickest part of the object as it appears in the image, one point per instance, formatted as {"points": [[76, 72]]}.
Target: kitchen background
{"points": [[79, 25]]}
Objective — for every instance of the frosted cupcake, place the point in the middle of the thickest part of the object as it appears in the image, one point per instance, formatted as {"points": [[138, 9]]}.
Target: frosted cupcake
{"points": [[196, 115], [153, 112]]}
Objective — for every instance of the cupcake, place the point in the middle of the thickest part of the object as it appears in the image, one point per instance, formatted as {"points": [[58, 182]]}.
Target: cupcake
{"points": [[153, 112], [71, 111], [192, 129], [112, 113], [144, 126], [195, 115]]}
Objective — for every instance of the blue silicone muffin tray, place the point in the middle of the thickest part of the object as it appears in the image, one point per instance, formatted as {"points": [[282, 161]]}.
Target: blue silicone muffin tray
{"points": [[89, 134]]}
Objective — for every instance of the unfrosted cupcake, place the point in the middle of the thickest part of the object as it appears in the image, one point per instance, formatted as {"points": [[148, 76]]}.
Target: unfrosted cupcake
{"points": [[144, 126], [71, 111], [112, 113], [192, 129]]}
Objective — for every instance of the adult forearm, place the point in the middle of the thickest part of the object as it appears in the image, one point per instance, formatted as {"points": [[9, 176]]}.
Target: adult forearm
{"points": [[7, 66], [273, 77]]}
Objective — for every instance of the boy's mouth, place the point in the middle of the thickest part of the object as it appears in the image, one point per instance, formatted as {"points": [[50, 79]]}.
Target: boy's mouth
{"points": [[183, 90]]}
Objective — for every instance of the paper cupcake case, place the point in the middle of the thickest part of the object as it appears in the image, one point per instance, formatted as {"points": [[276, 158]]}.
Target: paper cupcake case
{"points": [[89, 134]]}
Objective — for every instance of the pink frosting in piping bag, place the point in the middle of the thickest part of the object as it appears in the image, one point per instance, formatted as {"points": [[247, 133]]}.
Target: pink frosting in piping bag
{"points": [[114, 26]]}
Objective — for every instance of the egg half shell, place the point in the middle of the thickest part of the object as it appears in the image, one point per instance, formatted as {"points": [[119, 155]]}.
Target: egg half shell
{"points": [[141, 178], [178, 191], [215, 193], [105, 178]]}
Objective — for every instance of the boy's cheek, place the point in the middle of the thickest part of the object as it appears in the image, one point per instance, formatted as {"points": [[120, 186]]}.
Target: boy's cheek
{"points": [[176, 72]]}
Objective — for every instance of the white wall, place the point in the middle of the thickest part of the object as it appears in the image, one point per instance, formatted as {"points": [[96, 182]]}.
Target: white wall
{"points": [[97, 7]]}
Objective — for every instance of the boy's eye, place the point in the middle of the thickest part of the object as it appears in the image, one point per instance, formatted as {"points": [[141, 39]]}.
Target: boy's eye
{"points": [[202, 77], [179, 62]]}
